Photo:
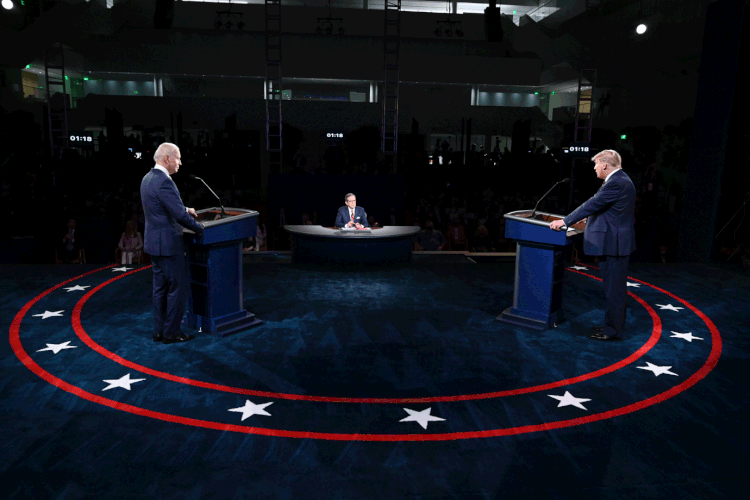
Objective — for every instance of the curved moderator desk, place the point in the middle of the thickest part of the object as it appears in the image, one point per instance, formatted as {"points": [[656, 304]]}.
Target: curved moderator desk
{"points": [[325, 245]]}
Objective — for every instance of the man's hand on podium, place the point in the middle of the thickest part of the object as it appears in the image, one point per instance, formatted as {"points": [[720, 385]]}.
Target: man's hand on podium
{"points": [[191, 211], [556, 225]]}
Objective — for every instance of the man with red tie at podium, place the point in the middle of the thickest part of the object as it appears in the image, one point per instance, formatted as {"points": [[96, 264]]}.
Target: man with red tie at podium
{"points": [[165, 218], [351, 215], [610, 235]]}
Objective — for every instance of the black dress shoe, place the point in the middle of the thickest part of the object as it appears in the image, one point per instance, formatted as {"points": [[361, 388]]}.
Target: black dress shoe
{"points": [[601, 336], [597, 329], [158, 337], [180, 338]]}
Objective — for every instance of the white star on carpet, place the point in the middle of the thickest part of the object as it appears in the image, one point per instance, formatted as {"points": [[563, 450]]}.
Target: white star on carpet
{"points": [[49, 314], [658, 370], [637, 285], [123, 382], [421, 417], [123, 269], [77, 287], [251, 409], [569, 400], [686, 336], [578, 268], [669, 307], [55, 348]]}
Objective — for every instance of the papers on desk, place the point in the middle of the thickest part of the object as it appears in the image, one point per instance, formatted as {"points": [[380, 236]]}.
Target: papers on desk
{"points": [[365, 229]]}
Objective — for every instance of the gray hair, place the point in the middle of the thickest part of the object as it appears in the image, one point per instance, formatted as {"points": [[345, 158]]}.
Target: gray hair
{"points": [[346, 198], [610, 157], [164, 149]]}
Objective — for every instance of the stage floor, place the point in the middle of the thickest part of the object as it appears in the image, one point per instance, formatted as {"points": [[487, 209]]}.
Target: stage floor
{"points": [[389, 382]]}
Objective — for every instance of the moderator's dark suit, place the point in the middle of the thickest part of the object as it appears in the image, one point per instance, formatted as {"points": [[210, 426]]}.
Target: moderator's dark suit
{"points": [[610, 234], [165, 217], [343, 217]]}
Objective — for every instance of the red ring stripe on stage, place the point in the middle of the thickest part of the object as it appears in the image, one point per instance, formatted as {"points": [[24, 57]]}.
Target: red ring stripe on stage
{"points": [[78, 328], [710, 363]]}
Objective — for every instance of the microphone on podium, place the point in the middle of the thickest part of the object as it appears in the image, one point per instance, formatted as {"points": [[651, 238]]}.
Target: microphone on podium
{"points": [[196, 178], [566, 180]]}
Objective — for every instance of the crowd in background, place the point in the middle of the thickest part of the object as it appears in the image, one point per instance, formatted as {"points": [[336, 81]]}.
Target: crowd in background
{"points": [[459, 206]]}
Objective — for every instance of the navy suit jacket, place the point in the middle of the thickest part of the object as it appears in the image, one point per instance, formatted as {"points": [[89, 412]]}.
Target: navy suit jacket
{"points": [[610, 229], [343, 218], [165, 215]]}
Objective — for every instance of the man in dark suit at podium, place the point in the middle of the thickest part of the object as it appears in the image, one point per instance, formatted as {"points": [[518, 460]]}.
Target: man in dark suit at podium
{"points": [[351, 215], [610, 235], [165, 218]]}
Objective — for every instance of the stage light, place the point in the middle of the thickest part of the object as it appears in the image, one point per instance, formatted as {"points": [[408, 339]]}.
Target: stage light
{"points": [[329, 30], [448, 32], [342, 31], [623, 137], [240, 25], [641, 29], [228, 25], [438, 32], [7, 4], [536, 93], [217, 24], [553, 93], [85, 78], [28, 66]]}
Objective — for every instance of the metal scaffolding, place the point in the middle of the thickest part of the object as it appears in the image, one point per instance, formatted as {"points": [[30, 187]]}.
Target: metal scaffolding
{"points": [[274, 143], [391, 46], [57, 99]]}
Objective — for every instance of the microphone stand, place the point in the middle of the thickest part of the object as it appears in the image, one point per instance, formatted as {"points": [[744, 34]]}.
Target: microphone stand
{"points": [[545, 195], [223, 213]]}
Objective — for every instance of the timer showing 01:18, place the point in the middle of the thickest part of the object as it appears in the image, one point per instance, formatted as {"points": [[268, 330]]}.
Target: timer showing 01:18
{"points": [[81, 138]]}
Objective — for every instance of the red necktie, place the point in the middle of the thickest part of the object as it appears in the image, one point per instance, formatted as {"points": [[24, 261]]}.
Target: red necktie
{"points": [[352, 214]]}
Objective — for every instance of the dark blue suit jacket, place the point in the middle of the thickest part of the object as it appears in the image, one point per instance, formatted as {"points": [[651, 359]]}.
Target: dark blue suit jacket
{"points": [[610, 229], [165, 215], [343, 218]]}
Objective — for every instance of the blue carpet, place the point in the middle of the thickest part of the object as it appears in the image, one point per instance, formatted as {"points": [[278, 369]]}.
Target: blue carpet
{"points": [[400, 354]]}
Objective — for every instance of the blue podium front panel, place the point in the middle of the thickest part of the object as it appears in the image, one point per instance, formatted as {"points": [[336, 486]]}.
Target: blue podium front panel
{"points": [[216, 302], [540, 270]]}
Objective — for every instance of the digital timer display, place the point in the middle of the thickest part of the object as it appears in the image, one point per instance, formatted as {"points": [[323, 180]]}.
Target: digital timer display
{"points": [[81, 140]]}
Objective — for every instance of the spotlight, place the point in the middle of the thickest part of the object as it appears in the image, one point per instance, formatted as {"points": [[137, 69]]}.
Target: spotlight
{"points": [[217, 23], [641, 29], [7, 4], [240, 25], [228, 25], [342, 31], [448, 32], [438, 32], [329, 30]]}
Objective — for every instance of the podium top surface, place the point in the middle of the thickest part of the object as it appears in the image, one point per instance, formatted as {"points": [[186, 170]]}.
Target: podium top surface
{"points": [[211, 217], [383, 232], [543, 219]]}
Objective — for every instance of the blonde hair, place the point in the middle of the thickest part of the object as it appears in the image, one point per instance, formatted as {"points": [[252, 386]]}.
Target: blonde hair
{"points": [[610, 157]]}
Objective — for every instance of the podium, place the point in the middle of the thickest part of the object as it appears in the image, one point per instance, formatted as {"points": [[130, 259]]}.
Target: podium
{"points": [[214, 261], [540, 269]]}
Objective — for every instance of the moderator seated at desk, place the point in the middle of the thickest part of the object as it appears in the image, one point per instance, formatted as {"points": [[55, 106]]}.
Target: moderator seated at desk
{"points": [[325, 245]]}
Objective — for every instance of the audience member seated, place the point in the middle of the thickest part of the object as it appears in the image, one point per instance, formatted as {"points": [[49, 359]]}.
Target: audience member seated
{"points": [[456, 234], [131, 244], [260, 237], [429, 238], [70, 249], [482, 241]]}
